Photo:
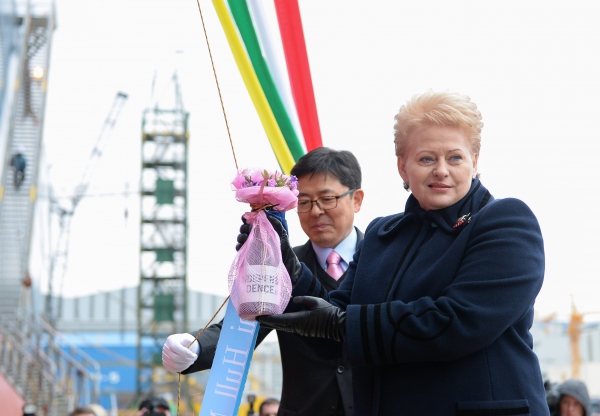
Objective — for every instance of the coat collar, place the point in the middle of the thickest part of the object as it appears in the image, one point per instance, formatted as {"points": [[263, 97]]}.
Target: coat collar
{"points": [[452, 219]]}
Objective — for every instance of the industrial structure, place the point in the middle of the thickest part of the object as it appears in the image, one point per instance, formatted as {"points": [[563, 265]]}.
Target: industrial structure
{"points": [[105, 326], [33, 361], [42, 359], [162, 291], [29, 41]]}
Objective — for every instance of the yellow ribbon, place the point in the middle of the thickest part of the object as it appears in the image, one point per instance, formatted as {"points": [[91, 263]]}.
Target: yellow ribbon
{"points": [[257, 95]]}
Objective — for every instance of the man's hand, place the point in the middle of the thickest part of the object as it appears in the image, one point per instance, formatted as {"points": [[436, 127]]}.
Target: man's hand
{"points": [[321, 320], [176, 355]]}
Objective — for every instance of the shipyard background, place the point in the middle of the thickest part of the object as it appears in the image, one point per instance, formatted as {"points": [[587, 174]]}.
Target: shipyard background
{"points": [[128, 169]]}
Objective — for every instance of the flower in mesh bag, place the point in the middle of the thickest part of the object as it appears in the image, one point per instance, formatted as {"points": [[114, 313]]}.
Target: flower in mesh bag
{"points": [[266, 190], [259, 284]]}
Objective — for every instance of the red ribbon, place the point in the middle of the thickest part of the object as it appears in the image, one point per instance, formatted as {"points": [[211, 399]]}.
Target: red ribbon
{"points": [[296, 57]]}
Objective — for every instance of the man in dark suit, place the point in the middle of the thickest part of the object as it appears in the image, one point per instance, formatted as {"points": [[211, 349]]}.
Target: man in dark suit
{"points": [[316, 380]]}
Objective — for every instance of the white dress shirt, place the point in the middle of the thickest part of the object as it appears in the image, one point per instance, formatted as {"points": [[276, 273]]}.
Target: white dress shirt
{"points": [[345, 249]]}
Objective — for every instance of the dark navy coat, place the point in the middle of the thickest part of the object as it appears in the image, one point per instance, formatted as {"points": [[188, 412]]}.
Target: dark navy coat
{"points": [[438, 310]]}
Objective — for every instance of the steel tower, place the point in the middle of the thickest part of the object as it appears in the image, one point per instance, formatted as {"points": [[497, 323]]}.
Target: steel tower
{"points": [[163, 236]]}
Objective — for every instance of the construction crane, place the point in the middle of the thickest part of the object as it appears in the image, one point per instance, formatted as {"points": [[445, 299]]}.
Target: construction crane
{"points": [[58, 265], [574, 331]]}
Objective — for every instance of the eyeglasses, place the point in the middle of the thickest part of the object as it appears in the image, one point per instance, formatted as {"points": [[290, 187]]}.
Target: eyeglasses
{"points": [[324, 203]]}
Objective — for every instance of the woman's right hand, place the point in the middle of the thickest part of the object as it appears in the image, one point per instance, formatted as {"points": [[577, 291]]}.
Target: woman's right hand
{"points": [[320, 319]]}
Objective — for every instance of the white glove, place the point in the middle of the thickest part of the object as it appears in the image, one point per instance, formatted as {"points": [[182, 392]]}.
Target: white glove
{"points": [[176, 355]]}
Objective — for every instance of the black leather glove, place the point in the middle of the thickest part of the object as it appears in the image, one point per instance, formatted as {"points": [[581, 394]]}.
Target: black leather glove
{"points": [[243, 235], [290, 261], [321, 320]]}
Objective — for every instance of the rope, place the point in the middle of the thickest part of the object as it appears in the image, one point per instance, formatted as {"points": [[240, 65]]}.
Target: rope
{"points": [[212, 62]]}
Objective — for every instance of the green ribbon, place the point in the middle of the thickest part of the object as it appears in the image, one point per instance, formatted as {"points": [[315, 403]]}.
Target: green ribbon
{"points": [[241, 15]]}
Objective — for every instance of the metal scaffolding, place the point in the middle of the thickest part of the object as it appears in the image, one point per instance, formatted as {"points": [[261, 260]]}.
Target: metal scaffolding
{"points": [[163, 237]]}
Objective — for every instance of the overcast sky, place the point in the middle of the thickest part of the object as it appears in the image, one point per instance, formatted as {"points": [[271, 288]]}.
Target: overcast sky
{"points": [[531, 67]]}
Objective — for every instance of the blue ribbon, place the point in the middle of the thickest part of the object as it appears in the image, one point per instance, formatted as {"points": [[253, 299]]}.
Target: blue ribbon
{"points": [[230, 366]]}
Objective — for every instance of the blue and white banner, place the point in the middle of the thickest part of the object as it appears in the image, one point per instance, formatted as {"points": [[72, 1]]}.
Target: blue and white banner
{"points": [[230, 366]]}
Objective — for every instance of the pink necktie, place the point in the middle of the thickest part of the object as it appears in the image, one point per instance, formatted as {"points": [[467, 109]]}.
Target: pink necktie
{"points": [[333, 265]]}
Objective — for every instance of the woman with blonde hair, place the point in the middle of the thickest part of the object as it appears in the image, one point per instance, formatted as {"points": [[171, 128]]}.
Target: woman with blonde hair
{"points": [[437, 305]]}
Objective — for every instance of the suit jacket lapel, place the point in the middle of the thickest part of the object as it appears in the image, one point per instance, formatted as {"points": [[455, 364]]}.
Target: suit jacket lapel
{"points": [[306, 254]]}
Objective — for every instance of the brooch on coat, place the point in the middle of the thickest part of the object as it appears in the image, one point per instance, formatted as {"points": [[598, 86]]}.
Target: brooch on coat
{"points": [[462, 220]]}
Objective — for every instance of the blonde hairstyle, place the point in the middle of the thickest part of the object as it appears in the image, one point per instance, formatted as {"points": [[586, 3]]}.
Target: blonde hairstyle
{"points": [[437, 109]]}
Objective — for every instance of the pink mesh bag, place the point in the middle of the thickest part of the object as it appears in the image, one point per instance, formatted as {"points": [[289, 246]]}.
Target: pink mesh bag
{"points": [[259, 283]]}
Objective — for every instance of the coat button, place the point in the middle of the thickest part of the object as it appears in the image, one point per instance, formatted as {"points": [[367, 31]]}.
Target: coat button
{"points": [[332, 410], [340, 369]]}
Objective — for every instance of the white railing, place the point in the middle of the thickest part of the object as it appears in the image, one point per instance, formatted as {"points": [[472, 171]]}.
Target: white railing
{"points": [[44, 368]]}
